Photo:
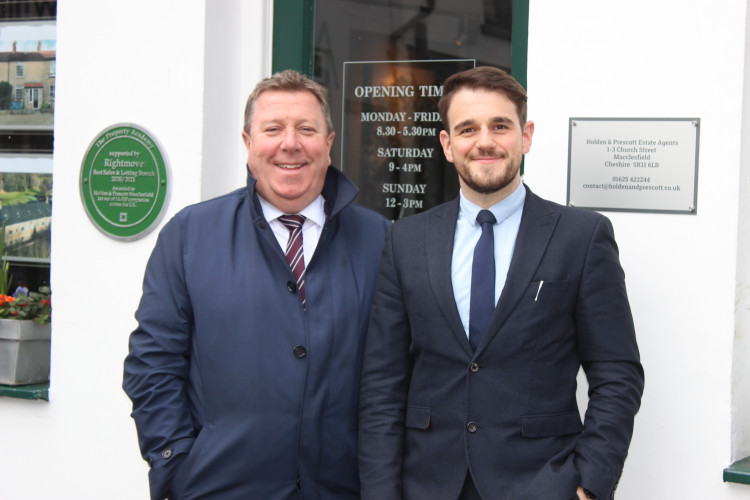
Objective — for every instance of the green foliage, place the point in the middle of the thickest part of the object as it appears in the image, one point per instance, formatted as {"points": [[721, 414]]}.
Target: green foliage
{"points": [[17, 198], [37, 306], [16, 182], [5, 277], [22, 188]]}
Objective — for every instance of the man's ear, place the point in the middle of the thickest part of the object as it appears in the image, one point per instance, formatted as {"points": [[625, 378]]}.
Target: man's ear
{"points": [[445, 141], [528, 132]]}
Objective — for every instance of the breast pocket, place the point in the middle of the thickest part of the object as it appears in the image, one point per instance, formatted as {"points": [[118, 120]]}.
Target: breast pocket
{"points": [[544, 303], [544, 291]]}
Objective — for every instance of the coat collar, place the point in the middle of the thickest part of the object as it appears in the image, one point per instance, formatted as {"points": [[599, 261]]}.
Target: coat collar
{"points": [[439, 235], [338, 192]]}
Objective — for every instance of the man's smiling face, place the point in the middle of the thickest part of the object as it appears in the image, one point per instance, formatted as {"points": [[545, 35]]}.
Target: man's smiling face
{"points": [[486, 143], [288, 148]]}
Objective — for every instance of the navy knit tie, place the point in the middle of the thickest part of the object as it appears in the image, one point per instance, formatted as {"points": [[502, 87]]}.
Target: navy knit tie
{"points": [[482, 279]]}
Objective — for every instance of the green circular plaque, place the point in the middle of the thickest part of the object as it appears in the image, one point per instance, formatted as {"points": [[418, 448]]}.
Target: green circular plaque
{"points": [[124, 182]]}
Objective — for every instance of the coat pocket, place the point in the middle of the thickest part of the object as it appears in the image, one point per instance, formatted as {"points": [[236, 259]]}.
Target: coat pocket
{"points": [[559, 424], [184, 471], [417, 417], [547, 290]]}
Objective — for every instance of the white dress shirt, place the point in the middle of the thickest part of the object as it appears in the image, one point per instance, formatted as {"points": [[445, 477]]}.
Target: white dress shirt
{"points": [[315, 219]]}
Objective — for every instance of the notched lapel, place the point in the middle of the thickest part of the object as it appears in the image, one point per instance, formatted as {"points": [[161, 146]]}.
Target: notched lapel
{"points": [[538, 223], [440, 231]]}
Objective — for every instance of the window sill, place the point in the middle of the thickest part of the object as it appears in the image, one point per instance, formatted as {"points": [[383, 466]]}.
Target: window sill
{"points": [[738, 472], [32, 391]]}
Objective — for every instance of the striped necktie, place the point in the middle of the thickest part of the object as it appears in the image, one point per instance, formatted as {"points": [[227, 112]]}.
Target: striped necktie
{"points": [[294, 253]]}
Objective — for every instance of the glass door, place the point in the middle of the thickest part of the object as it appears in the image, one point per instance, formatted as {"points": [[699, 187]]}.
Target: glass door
{"points": [[383, 63], [34, 98]]}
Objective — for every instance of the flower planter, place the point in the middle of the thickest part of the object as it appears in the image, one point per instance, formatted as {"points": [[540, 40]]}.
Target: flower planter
{"points": [[24, 352]]}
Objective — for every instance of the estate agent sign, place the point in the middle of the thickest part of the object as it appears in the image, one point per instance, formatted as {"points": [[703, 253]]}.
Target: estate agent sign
{"points": [[634, 164]]}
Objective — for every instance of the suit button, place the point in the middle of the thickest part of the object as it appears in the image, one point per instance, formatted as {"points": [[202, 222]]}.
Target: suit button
{"points": [[472, 427], [474, 367], [291, 286], [166, 454], [300, 351]]}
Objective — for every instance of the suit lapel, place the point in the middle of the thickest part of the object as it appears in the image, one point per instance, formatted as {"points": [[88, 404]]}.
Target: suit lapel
{"points": [[538, 223], [439, 234]]}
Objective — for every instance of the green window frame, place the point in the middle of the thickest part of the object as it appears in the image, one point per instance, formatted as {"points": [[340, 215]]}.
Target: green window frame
{"points": [[294, 37]]}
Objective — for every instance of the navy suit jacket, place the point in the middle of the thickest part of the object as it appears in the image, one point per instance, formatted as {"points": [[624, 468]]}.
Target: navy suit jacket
{"points": [[431, 408]]}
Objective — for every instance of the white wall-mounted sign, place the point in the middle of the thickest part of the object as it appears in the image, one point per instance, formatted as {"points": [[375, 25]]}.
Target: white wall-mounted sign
{"points": [[634, 164]]}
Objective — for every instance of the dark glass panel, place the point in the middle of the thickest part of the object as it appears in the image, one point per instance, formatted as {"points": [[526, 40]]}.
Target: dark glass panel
{"points": [[370, 42]]}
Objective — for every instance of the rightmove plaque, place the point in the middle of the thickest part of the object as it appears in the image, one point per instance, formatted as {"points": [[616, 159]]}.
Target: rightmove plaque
{"points": [[634, 164], [124, 182], [390, 143]]}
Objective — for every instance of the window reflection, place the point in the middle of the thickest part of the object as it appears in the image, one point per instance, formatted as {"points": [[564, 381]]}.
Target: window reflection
{"points": [[360, 36], [387, 30]]}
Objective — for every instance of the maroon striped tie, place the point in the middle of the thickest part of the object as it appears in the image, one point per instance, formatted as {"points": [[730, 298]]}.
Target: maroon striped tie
{"points": [[294, 253]]}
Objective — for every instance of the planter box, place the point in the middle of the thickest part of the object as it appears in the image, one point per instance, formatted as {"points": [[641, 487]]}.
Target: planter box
{"points": [[24, 352]]}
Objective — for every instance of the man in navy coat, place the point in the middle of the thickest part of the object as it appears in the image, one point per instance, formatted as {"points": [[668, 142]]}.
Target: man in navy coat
{"points": [[465, 403], [248, 390]]}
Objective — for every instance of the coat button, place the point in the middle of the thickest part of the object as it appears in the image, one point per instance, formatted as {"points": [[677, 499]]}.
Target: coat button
{"points": [[472, 427], [166, 454], [300, 351], [474, 367], [291, 286]]}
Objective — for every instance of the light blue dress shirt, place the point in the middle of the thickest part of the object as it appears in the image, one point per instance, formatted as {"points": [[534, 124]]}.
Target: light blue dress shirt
{"points": [[508, 214]]}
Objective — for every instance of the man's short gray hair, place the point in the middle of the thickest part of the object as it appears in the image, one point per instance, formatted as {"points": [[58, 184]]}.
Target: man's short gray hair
{"points": [[289, 81]]}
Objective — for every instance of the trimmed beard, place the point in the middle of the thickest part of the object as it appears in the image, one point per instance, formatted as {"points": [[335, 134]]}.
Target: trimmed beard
{"points": [[495, 183]]}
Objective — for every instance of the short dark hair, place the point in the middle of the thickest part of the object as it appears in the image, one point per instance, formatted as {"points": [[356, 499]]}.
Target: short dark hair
{"points": [[289, 81], [483, 78]]}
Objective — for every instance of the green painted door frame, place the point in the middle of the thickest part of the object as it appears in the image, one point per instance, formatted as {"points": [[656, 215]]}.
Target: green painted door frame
{"points": [[294, 37], [519, 41]]}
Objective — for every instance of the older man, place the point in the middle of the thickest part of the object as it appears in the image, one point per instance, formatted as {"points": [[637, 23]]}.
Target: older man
{"points": [[249, 390]]}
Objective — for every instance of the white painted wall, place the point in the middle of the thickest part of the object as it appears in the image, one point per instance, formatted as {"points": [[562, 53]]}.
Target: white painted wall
{"points": [[140, 61], [664, 58], [741, 367], [238, 54], [183, 68]]}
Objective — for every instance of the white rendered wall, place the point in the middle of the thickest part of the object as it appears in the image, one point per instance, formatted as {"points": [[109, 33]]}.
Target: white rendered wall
{"points": [[238, 54], [140, 61], [741, 366], [663, 58], [162, 65]]}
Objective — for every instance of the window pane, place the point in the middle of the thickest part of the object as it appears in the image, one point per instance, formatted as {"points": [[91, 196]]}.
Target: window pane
{"points": [[393, 181]]}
